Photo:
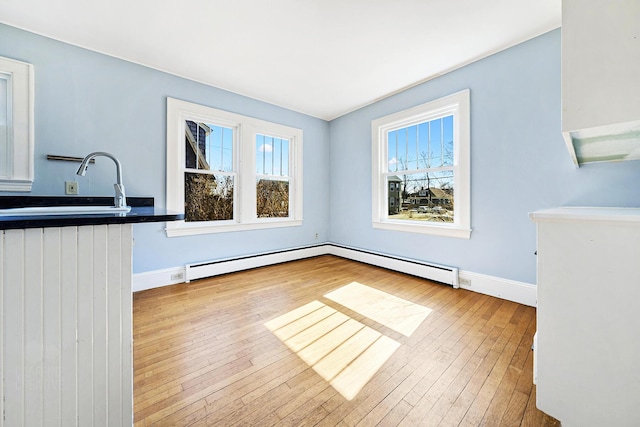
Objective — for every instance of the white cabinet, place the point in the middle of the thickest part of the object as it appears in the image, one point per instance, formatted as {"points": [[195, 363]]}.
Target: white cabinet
{"points": [[65, 326], [600, 87], [588, 316]]}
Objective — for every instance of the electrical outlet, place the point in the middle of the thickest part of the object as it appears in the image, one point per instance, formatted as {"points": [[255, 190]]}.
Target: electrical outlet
{"points": [[71, 187], [177, 276], [316, 236], [464, 282]]}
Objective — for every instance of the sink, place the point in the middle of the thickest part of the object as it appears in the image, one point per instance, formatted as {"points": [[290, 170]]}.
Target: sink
{"points": [[63, 210]]}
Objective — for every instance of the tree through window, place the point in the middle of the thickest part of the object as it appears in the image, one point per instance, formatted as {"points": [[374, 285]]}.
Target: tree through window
{"points": [[231, 172]]}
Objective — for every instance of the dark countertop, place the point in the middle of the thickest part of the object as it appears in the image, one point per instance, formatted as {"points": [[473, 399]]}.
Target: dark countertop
{"points": [[142, 210]]}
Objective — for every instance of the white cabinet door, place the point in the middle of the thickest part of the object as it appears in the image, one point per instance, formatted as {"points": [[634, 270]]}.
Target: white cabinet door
{"points": [[587, 339]]}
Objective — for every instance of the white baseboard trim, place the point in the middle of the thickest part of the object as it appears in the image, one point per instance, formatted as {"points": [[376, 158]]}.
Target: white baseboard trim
{"points": [[520, 292], [157, 278]]}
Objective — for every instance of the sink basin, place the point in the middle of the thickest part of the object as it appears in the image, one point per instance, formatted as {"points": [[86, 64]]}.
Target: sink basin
{"points": [[63, 210]]}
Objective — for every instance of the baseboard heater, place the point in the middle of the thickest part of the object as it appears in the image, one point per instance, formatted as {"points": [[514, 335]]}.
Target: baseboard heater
{"points": [[439, 273], [229, 265], [435, 272]]}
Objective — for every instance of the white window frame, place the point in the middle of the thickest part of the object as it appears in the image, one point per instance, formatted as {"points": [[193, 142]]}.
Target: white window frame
{"points": [[457, 105], [245, 131], [19, 103]]}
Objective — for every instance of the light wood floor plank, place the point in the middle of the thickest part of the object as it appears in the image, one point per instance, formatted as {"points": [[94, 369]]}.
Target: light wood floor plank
{"points": [[265, 347]]}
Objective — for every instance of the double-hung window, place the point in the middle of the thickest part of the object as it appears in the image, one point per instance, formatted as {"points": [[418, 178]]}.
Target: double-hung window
{"points": [[230, 172], [420, 163]]}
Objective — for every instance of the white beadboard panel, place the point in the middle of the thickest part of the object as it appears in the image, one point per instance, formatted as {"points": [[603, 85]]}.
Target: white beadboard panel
{"points": [[13, 357], [100, 333], [51, 332], [2, 330], [113, 317], [126, 322], [85, 326], [66, 326], [68, 329], [33, 337]]}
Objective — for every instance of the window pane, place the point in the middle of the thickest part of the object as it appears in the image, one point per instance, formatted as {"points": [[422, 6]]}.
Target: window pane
{"points": [[426, 145], [394, 194], [435, 144], [428, 197], [226, 157], [440, 143], [447, 143], [423, 145], [272, 156], [272, 198], [412, 154], [208, 147], [392, 148], [208, 197], [400, 147]]}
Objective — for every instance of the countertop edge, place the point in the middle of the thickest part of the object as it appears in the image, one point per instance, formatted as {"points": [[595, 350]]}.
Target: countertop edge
{"points": [[142, 211], [580, 213]]}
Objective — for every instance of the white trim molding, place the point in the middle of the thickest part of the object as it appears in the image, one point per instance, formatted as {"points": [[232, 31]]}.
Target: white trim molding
{"points": [[17, 134], [520, 292], [157, 278]]}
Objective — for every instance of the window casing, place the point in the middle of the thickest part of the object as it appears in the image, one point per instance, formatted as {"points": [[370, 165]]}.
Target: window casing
{"points": [[421, 159], [229, 172], [16, 125]]}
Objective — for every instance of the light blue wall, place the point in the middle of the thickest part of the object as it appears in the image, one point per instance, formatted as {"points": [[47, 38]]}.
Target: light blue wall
{"points": [[519, 164], [88, 102]]}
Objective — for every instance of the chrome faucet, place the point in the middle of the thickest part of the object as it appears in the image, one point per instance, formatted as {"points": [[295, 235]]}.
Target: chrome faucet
{"points": [[120, 199]]}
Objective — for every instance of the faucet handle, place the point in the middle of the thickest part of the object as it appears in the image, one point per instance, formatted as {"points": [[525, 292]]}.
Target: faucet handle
{"points": [[120, 199]]}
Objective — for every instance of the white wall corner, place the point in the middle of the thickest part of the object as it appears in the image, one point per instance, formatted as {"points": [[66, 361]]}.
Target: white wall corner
{"points": [[157, 278], [520, 292]]}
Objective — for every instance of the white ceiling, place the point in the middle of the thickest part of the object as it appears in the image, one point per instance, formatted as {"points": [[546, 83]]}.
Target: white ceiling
{"points": [[324, 58]]}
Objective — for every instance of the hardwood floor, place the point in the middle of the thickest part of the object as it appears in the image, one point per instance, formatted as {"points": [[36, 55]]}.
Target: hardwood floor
{"points": [[269, 347]]}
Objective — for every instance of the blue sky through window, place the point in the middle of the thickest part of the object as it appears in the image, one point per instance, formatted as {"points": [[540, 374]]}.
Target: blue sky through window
{"points": [[219, 152], [272, 155], [423, 146]]}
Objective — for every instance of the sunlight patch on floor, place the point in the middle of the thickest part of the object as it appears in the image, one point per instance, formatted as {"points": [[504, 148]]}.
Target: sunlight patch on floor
{"points": [[395, 313], [343, 351]]}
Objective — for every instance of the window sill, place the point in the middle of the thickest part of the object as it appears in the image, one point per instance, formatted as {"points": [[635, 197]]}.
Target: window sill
{"points": [[181, 228], [15, 185], [436, 230]]}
